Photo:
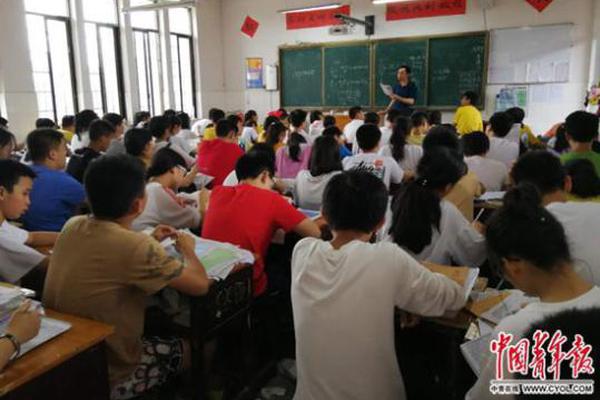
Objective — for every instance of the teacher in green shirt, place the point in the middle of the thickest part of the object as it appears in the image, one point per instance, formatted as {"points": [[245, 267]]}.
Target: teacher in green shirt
{"points": [[404, 94]]}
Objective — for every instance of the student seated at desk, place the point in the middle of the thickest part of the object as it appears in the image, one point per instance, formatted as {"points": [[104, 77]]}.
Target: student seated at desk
{"points": [[83, 119], [529, 248], [325, 163], [387, 130], [298, 124], [344, 293], [383, 167], [581, 220], [373, 119], [502, 149], [116, 146], [491, 173], [337, 134], [468, 118], [8, 143], [67, 127], [101, 269], [215, 115], [139, 143], [266, 150], [161, 128], [182, 134], [248, 214], [16, 245], [23, 326], [585, 183], [581, 130], [101, 135], [419, 128], [217, 157], [316, 124], [428, 227], [275, 134], [464, 192], [406, 155], [293, 157], [356, 121], [141, 119], [56, 195], [165, 175], [522, 132]]}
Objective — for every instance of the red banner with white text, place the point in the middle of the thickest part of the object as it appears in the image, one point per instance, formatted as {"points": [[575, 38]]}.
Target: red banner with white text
{"points": [[424, 9], [314, 19]]}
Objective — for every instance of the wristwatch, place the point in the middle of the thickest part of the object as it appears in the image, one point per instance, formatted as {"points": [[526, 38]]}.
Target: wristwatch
{"points": [[15, 342]]}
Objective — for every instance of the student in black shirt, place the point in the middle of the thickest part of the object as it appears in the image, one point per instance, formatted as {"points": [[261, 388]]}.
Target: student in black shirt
{"points": [[101, 134]]}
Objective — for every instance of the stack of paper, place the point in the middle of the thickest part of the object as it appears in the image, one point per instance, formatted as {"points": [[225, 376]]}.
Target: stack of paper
{"points": [[49, 328], [10, 299], [218, 258], [464, 276], [491, 196]]}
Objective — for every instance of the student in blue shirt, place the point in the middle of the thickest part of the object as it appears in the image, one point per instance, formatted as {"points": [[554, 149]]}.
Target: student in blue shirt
{"points": [[405, 92], [55, 195]]}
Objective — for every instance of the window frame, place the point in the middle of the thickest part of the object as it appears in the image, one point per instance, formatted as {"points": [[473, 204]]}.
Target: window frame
{"points": [[192, 69], [69, 31], [148, 72]]}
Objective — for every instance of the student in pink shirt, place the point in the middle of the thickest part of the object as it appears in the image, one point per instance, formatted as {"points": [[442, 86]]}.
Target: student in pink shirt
{"points": [[294, 157]]}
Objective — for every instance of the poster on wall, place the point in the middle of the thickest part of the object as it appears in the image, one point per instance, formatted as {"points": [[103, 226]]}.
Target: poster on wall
{"points": [[254, 73], [424, 9], [512, 97], [314, 19], [539, 5]]}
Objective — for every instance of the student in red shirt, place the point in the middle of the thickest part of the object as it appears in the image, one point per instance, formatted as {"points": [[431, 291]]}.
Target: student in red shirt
{"points": [[217, 157], [248, 214]]}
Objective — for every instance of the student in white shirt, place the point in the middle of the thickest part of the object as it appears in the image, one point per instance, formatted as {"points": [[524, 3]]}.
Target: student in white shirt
{"points": [[529, 248], [428, 227], [116, 145], [81, 139], [249, 135], [17, 256], [406, 155], [356, 116], [316, 124], [298, 124], [187, 139], [176, 139], [161, 128], [163, 206], [325, 162], [383, 167], [501, 149], [344, 293], [491, 173], [580, 219], [388, 126], [373, 119]]}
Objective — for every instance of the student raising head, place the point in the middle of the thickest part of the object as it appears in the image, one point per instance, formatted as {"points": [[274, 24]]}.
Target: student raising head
{"points": [[166, 175], [352, 286], [419, 127], [101, 134], [468, 118], [217, 157], [325, 162], [491, 173], [581, 220], [294, 156], [56, 195], [16, 245], [383, 167], [139, 143], [8, 144], [428, 227], [298, 124], [228, 218], [103, 270], [83, 120], [406, 155], [585, 183], [529, 248]]}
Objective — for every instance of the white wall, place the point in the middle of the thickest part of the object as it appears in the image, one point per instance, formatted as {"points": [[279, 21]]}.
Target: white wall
{"points": [[504, 13]]}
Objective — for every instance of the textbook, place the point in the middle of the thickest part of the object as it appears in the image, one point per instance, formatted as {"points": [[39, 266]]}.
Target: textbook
{"points": [[464, 276]]}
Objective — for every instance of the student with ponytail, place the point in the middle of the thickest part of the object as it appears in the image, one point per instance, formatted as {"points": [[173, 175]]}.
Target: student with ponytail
{"points": [[293, 158], [406, 155], [528, 246], [430, 228]]}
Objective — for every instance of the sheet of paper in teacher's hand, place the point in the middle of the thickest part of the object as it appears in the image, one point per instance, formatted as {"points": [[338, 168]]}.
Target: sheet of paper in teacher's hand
{"points": [[387, 89]]}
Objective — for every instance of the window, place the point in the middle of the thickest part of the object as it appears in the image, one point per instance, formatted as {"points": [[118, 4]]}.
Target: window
{"points": [[51, 57], [182, 61], [146, 57], [103, 53]]}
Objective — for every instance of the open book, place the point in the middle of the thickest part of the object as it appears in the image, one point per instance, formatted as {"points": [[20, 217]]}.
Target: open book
{"points": [[464, 276]]}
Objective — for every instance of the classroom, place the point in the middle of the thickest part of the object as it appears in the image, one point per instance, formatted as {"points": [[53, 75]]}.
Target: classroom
{"points": [[299, 199]]}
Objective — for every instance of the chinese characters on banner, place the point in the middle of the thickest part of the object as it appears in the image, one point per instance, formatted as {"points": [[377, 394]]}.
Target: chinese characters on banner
{"points": [[314, 19], [424, 8], [250, 26], [539, 5]]}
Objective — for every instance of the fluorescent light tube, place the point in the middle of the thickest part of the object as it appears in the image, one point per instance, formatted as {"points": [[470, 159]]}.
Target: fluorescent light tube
{"points": [[311, 8]]}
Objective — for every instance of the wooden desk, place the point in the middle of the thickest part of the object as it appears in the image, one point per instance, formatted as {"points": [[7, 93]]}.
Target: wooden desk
{"points": [[69, 366]]}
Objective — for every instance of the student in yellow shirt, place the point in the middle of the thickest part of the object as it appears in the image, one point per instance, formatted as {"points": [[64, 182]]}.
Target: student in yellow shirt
{"points": [[525, 134], [67, 127], [420, 127], [468, 118], [214, 114]]}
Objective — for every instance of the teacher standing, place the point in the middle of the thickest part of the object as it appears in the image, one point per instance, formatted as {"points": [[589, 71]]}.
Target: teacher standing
{"points": [[404, 93]]}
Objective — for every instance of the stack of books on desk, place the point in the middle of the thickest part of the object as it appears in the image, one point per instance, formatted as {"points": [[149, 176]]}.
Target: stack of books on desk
{"points": [[10, 299]]}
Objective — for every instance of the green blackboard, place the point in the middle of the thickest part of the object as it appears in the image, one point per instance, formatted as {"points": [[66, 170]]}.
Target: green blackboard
{"points": [[456, 64], [346, 77], [301, 80], [389, 55]]}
